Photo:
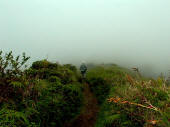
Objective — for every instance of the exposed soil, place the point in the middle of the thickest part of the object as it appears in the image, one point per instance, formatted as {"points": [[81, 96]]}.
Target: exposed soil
{"points": [[87, 118]]}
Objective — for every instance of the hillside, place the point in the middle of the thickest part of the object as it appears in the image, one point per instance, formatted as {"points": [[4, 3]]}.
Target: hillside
{"points": [[127, 99], [49, 94]]}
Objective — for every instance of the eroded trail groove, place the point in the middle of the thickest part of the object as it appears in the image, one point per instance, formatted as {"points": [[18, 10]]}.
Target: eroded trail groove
{"points": [[87, 118]]}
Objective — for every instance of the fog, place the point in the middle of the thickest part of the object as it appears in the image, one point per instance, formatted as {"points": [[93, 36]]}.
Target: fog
{"points": [[131, 33]]}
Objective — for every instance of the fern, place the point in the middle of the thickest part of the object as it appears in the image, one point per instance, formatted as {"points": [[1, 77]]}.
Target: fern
{"points": [[12, 118]]}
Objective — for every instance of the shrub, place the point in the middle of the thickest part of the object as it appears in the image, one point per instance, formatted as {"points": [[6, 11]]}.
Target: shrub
{"points": [[133, 101], [59, 103], [12, 118], [40, 64], [71, 67], [54, 79], [46, 94], [99, 87], [11, 67], [143, 103]]}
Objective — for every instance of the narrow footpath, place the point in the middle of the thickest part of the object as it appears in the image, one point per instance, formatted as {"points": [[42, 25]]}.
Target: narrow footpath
{"points": [[88, 116]]}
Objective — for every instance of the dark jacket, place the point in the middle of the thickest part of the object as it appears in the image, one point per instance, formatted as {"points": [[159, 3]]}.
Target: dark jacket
{"points": [[83, 68]]}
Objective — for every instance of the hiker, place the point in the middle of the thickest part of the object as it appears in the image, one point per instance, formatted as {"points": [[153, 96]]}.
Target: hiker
{"points": [[83, 69]]}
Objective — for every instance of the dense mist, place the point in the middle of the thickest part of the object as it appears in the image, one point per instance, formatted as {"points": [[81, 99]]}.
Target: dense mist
{"points": [[131, 33]]}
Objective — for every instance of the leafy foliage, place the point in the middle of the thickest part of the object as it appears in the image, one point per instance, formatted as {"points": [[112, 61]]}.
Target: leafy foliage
{"points": [[46, 94], [133, 101], [100, 88], [101, 79], [49, 94]]}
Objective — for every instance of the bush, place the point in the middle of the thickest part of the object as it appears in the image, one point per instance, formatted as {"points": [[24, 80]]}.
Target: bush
{"points": [[59, 104], [46, 94], [12, 118], [128, 100], [71, 67], [139, 104], [99, 87], [54, 79]]}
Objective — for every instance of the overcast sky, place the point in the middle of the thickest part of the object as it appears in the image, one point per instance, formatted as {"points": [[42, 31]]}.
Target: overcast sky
{"points": [[127, 32]]}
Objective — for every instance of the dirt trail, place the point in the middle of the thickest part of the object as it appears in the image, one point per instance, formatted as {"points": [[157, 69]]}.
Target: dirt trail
{"points": [[87, 118]]}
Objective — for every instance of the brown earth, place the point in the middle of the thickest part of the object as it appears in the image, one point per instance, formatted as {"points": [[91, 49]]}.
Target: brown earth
{"points": [[87, 117]]}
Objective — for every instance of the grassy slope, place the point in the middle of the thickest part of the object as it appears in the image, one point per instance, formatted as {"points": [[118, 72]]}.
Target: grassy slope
{"points": [[126, 92]]}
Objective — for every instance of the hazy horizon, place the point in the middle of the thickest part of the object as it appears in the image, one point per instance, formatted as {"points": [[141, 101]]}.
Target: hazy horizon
{"points": [[127, 32]]}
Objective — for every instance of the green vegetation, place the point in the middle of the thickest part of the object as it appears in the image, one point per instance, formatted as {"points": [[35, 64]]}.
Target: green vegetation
{"points": [[129, 100], [48, 94]]}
